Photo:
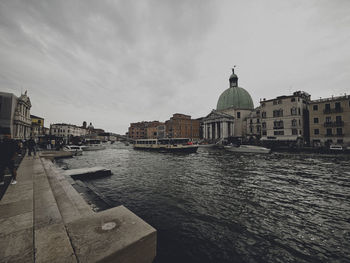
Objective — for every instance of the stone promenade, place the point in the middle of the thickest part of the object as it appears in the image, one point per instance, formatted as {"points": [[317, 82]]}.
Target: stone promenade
{"points": [[44, 219]]}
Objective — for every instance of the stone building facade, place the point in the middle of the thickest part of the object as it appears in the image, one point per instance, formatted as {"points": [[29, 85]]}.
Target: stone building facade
{"points": [[15, 115], [285, 119], [65, 131], [182, 126], [253, 124], [330, 121]]}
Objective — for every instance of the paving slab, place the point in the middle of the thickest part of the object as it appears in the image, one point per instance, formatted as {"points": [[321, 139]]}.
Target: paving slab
{"points": [[114, 235], [15, 223], [17, 246], [52, 245]]}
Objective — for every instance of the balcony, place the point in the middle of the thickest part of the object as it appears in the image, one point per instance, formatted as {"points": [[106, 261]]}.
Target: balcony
{"points": [[334, 135], [334, 124], [277, 128], [335, 110]]}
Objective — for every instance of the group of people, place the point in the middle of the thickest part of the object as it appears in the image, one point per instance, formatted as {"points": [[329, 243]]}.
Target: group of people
{"points": [[9, 150]]}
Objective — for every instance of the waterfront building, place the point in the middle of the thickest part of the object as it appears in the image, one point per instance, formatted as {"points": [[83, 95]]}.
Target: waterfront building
{"points": [[66, 131], [15, 115], [229, 119], [37, 128], [138, 130], [253, 124], [153, 129], [182, 126], [285, 119], [330, 121]]}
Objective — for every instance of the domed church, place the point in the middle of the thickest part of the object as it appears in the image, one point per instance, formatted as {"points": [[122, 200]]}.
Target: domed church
{"points": [[228, 120]]}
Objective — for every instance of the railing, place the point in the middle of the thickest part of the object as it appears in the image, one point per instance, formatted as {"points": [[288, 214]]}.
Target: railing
{"points": [[333, 124], [334, 135], [335, 110], [278, 128]]}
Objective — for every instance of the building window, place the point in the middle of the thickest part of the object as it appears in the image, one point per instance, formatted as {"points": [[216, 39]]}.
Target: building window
{"points": [[315, 107], [299, 111], [278, 125], [264, 133], [251, 129], [275, 102], [339, 131], [263, 125], [338, 119], [328, 119], [294, 131], [315, 120], [250, 121], [327, 107], [329, 132], [258, 128], [294, 123], [257, 120], [316, 131], [278, 113], [340, 141], [292, 99], [337, 106], [278, 133], [263, 114], [238, 115], [279, 102], [263, 104], [293, 111]]}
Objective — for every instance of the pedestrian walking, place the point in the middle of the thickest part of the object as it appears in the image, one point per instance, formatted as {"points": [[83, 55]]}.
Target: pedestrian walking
{"points": [[8, 153]]}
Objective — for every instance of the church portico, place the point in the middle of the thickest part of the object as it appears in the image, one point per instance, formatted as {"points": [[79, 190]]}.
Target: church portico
{"points": [[218, 125]]}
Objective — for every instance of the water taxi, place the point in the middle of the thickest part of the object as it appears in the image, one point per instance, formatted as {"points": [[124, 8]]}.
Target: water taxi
{"points": [[247, 149], [166, 145], [75, 149]]}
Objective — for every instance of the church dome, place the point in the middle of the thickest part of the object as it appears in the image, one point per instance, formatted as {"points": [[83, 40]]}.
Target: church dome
{"points": [[235, 97]]}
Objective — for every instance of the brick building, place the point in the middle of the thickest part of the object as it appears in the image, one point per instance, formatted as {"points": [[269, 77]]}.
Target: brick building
{"points": [[182, 126]]}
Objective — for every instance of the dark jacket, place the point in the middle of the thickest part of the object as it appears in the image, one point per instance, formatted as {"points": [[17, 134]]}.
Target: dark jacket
{"points": [[8, 149]]}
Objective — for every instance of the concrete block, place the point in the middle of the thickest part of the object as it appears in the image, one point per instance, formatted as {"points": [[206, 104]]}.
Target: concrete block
{"points": [[114, 235], [52, 245], [16, 196], [46, 215], [17, 246]]}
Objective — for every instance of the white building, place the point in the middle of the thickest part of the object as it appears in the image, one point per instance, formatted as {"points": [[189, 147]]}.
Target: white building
{"points": [[15, 115], [285, 118], [66, 130]]}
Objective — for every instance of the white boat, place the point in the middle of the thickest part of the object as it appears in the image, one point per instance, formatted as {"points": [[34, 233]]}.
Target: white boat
{"points": [[247, 149], [93, 145], [75, 149], [183, 145]]}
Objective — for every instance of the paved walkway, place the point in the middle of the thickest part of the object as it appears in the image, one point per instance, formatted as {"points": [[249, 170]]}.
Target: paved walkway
{"points": [[43, 219]]}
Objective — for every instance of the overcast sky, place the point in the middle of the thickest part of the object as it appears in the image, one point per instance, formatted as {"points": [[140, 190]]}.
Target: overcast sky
{"points": [[115, 62]]}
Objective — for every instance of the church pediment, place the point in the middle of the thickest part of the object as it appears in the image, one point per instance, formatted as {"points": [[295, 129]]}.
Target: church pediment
{"points": [[218, 115]]}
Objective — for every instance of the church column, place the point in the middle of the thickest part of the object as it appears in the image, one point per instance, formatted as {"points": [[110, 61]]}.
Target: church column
{"points": [[224, 129], [232, 129], [205, 131]]}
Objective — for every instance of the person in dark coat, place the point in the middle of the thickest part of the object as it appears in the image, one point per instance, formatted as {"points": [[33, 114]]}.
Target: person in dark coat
{"points": [[31, 147], [8, 153]]}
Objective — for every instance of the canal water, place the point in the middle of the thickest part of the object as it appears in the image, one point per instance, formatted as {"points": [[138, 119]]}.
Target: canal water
{"points": [[217, 206]]}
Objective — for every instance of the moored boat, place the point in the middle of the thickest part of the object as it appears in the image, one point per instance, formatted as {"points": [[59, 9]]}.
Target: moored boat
{"points": [[93, 145], [183, 145], [75, 149], [247, 149]]}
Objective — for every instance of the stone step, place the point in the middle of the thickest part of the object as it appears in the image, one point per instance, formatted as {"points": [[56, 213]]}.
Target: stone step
{"points": [[70, 203]]}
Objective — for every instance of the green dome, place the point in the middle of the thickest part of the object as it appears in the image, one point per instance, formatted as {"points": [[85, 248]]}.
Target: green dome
{"points": [[235, 97]]}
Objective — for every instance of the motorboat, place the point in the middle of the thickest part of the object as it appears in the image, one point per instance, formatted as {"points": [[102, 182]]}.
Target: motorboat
{"points": [[247, 149], [93, 145], [183, 145], [75, 149]]}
